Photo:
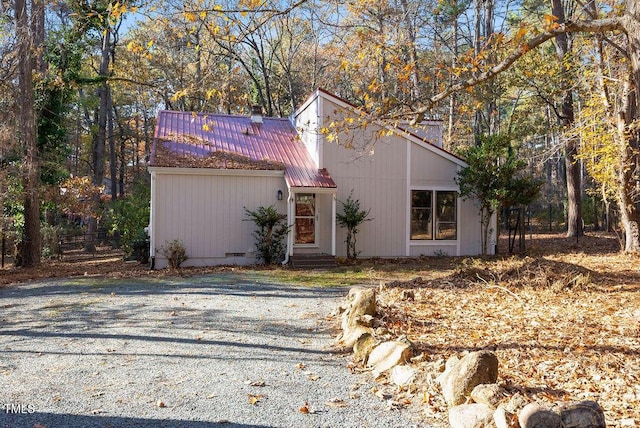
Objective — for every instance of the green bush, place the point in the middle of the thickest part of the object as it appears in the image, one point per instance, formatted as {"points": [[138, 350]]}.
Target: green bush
{"points": [[128, 217], [270, 233], [350, 218]]}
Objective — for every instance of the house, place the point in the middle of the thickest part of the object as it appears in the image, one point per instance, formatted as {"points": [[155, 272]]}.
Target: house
{"points": [[207, 168]]}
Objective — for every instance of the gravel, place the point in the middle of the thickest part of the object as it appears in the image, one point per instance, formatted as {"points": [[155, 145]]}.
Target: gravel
{"points": [[228, 350]]}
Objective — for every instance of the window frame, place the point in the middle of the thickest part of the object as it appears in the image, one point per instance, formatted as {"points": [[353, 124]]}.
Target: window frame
{"points": [[435, 220]]}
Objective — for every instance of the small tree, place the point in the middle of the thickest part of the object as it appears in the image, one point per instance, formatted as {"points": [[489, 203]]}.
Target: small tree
{"points": [[494, 179], [270, 233], [352, 217]]}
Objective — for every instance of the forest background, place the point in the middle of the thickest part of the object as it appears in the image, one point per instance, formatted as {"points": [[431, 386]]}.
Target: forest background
{"points": [[81, 82]]}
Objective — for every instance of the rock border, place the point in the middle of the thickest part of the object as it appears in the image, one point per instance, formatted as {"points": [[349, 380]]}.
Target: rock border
{"points": [[467, 383]]}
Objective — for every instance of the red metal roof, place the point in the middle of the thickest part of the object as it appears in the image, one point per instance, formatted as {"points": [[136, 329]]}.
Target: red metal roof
{"points": [[274, 143]]}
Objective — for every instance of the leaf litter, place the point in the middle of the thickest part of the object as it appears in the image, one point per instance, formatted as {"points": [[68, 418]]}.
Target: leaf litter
{"points": [[565, 327]]}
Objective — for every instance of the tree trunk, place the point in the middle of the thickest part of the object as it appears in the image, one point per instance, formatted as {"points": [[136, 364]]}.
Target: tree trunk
{"points": [[572, 166], [30, 248], [101, 137], [628, 133]]}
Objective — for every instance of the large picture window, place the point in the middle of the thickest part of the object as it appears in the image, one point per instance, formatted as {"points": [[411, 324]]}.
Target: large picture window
{"points": [[433, 215]]}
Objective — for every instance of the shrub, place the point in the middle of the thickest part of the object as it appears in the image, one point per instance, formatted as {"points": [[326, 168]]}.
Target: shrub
{"points": [[350, 218], [175, 252], [270, 233]]}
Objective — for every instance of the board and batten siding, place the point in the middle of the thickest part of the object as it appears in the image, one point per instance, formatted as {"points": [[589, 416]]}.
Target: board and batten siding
{"points": [[377, 175], [205, 209]]}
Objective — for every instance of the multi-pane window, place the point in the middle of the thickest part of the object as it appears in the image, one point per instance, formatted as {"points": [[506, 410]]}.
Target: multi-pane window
{"points": [[433, 215]]}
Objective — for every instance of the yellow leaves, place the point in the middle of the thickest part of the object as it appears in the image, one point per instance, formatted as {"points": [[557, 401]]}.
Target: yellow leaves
{"points": [[134, 47], [520, 35], [190, 16], [255, 399], [180, 94], [550, 22]]}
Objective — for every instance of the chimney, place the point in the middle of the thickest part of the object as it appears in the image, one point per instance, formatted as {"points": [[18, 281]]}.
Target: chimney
{"points": [[256, 114]]}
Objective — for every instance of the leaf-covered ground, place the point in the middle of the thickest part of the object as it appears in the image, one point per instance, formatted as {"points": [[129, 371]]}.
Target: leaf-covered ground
{"points": [[565, 326], [564, 320]]}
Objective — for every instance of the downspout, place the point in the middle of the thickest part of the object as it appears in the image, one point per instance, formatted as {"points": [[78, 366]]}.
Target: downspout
{"points": [[152, 223], [333, 224], [289, 226]]}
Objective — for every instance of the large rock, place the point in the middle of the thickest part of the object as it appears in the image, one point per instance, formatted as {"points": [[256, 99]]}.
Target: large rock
{"points": [[462, 376], [388, 355], [535, 416], [585, 414], [403, 375], [490, 394], [504, 418], [471, 416], [356, 319], [363, 347]]}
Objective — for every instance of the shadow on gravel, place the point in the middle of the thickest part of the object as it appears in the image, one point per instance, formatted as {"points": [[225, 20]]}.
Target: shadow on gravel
{"points": [[19, 420], [212, 285], [40, 334]]}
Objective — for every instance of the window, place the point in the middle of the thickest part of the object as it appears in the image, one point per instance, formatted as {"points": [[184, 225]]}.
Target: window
{"points": [[427, 222], [446, 227], [305, 218], [421, 203]]}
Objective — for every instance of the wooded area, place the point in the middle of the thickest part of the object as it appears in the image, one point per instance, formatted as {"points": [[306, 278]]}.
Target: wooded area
{"points": [[81, 82]]}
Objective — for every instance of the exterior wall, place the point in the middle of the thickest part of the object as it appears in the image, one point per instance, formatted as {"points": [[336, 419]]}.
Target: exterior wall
{"points": [[307, 124], [205, 209], [382, 170], [376, 171]]}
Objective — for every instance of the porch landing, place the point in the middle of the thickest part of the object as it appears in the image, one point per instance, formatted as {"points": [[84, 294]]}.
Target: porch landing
{"points": [[312, 261]]}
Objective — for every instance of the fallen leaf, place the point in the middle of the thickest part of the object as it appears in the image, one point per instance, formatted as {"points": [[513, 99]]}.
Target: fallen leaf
{"points": [[160, 403], [336, 402], [313, 377], [301, 366], [254, 399], [306, 409]]}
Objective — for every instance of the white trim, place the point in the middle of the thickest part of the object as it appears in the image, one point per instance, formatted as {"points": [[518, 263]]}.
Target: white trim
{"points": [[319, 136], [333, 225], [434, 242], [408, 202], [314, 189], [152, 217], [213, 171]]}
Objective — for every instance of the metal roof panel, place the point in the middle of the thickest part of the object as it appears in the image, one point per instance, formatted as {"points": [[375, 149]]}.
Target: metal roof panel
{"points": [[187, 139]]}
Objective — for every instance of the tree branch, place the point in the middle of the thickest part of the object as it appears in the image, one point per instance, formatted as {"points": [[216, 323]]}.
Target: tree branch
{"points": [[591, 26]]}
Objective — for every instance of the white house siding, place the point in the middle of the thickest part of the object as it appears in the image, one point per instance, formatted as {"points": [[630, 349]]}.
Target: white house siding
{"points": [[188, 204], [307, 125], [379, 181], [434, 172]]}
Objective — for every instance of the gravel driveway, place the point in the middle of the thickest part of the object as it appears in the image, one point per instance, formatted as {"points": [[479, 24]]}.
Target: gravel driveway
{"points": [[225, 350]]}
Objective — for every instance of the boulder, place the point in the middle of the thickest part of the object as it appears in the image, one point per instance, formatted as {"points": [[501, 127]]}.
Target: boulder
{"points": [[585, 414], [389, 354], [461, 377], [471, 416], [403, 375], [361, 302], [534, 415], [357, 316], [490, 394], [363, 347], [504, 418]]}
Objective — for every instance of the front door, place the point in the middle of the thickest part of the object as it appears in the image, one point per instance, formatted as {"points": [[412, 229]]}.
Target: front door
{"points": [[305, 219]]}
